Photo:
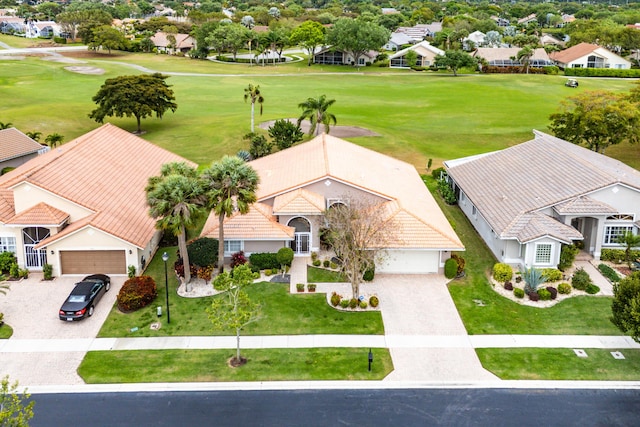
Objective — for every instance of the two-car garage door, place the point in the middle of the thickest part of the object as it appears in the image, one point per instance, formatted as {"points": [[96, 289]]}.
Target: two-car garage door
{"points": [[89, 262]]}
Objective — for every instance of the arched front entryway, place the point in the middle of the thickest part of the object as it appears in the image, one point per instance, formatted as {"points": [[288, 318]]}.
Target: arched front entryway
{"points": [[301, 244], [31, 236]]}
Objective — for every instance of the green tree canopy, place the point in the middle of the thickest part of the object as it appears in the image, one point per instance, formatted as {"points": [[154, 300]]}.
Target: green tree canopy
{"points": [[285, 133], [107, 37], [139, 96], [309, 36], [14, 411], [357, 36], [625, 307], [454, 60]]}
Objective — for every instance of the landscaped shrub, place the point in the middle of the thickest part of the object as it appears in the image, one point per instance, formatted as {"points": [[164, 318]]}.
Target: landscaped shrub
{"points": [[374, 301], [255, 275], [311, 287], [553, 291], [335, 299], [344, 303], [353, 303], [136, 293], [363, 304], [47, 271], [300, 287], [317, 263], [617, 255], [534, 296], [131, 271], [285, 257], [609, 273], [502, 272], [564, 288], [450, 268], [254, 269], [438, 173], [580, 279], [264, 260], [203, 252], [508, 286], [237, 259], [592, 289], [447, 193], [268, 272], [334, 266], [369, 274], [314, 256], [6, 260], [567, 256], [205, 273], [14, 271], [518, 292], [602, 72], [518, 278], [23, 273], [179, 269], [544, 294], [552, 274], [461, 262], [326, 263]]}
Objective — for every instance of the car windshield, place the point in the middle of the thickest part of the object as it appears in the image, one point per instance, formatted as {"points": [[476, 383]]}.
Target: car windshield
{"points": [[76, 298]]}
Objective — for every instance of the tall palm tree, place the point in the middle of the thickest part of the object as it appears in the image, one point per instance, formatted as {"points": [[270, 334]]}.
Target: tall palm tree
{"points": [[5, 125], [524, 55], [630, 241], [35, 135], [54, 139], [230, 185], [253, 93], [316, 111], [175, 199]]}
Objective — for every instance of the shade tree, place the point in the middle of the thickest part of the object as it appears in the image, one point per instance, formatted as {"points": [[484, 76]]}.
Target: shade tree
{"points": [[309, 36], [454, 60], [357, 36]]}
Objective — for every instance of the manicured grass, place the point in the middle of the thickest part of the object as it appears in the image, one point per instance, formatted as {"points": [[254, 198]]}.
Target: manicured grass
{"points": [[321, 275], [560, 364], [585, 315], [418, 115], [6, 331], [100, 367], [282, 313]]}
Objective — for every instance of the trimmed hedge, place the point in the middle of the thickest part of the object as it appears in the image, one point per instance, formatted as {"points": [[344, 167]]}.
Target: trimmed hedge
{"points": [[264, 260], [450, 268], [502, 272], [203, 252], [615, 255], [552, 274], [136, 293], [592, 289], [602, 72], [564, 288], [544, 294], [609, 273]]}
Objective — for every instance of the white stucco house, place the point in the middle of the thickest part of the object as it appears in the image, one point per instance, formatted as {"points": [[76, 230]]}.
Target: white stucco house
{"points": [[332, 56], [298, 184], [426, 55], [81, 207], [586, 55], [17, 148], [528, 200]]}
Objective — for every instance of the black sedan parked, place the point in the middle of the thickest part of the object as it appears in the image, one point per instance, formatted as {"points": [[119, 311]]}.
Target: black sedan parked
{"points": [[84, 297]]}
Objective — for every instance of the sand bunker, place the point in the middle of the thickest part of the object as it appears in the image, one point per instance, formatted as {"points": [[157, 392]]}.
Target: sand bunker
{"points": [[85, 70]]}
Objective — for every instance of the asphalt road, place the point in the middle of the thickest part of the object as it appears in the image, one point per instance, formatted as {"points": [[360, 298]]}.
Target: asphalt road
{"points": [[375, 407]]}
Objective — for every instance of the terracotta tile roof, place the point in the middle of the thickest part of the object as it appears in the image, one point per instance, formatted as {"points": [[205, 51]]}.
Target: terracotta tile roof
{"points": [[14, 143], [159, 39], [106, 171], [327, 157], [258, 224], [299, 201], [544, 172], [506, 53], [40, 214], [535, 225], [573, 53], [7, 209], [583, 205]]}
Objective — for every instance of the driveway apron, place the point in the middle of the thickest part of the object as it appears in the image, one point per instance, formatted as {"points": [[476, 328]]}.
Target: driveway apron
{"points": [[420, 305]]}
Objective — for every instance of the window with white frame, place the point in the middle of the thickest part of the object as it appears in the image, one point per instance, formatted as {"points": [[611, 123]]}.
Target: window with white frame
{"points": [[8, 244], [543, 253], [233, 246], [613, 232]]}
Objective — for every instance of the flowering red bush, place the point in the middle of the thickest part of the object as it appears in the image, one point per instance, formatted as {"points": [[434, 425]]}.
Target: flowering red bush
{"points": [[238, 259], [137, 292]]}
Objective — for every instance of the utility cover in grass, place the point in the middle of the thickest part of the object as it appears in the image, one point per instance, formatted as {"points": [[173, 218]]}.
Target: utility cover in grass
{"points": [[617, 355], [580, 353]]}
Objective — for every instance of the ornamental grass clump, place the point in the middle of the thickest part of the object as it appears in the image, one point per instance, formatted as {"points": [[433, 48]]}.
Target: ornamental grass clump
{"points": [[533, 278]]}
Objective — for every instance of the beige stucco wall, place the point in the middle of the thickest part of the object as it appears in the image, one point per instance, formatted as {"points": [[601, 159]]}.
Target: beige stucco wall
{"points": [[28, 195]]}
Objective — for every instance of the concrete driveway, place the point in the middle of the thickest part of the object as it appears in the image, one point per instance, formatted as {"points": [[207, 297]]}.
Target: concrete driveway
{"points": [[31, 308]]}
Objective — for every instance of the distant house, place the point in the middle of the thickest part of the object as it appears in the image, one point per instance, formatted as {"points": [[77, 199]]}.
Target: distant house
{"points": [[473, 40], [506, 57], [586, 55], [528, 200], [567, 19], [183, 43], [528, 19], [421, 31], [389, 11], [332, 56], [636, 26], [425, 51], [397, 40], [502, 22], [11, 25], [45, 29], [17, 148], [548, 39], [299, 184]]}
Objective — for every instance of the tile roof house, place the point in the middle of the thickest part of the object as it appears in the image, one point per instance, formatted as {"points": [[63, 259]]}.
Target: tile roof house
{"points": [[333, 56], [298, 184], [184, 43], [506, 56], [425, 51], [17, 148], [81, 207], [527, 200], [586, 55]]}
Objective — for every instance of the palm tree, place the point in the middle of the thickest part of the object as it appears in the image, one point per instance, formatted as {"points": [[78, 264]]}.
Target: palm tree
{"points": [[176, 198], [54, 139], [316, 111], [524, 56], [34, 135], [5, 125], [253, 93], [630, 241], [230, 186]]}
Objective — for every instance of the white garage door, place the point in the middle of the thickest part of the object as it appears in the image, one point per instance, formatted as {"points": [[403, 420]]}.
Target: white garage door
{"points": [[89, 262], [410, 262]]}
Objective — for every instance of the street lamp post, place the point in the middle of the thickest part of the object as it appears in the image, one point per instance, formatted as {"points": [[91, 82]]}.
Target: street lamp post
{"points": [[165, 258]]}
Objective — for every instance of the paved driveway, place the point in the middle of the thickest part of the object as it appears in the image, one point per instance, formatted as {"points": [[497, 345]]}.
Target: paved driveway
{"points": [[31, 308]]}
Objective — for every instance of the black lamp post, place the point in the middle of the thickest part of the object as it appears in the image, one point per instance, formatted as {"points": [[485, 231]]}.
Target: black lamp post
{"points": [[165, 258], [370, 359]]}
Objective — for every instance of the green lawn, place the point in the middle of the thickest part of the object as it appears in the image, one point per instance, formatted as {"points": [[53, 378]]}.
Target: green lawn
{"points": [[5, 331], [560, 364], [321, 275], [418, 115], [586, 315], [100, 367], [282, 313]]}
